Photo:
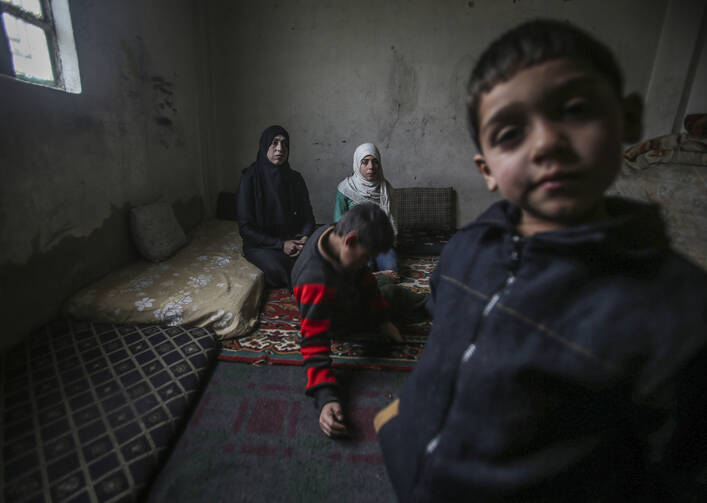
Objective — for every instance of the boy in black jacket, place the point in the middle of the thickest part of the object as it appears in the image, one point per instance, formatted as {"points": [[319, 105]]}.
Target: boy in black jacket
{"points": [[568, 351]]}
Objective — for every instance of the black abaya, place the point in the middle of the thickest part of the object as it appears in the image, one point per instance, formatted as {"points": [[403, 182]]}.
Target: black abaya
{"points": [[273, 207]]}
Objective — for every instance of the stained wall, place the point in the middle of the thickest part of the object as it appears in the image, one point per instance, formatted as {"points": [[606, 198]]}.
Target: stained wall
{"points": [[176, 93], [337, 74], [72, 165]]}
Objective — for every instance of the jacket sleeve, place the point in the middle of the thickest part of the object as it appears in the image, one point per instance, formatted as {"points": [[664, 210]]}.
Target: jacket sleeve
{"points": [[248, 227], [304, 208], [316, 303], [675, 433]]}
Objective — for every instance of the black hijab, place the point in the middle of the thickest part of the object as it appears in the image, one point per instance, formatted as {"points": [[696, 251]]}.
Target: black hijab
{"points": [[272, 187]]}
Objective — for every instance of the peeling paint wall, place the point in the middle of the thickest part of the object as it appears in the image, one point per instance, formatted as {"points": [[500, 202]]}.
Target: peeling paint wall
{"points": [[71, 166], [339, 73]]}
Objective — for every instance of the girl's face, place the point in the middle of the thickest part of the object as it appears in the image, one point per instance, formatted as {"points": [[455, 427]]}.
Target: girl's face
{"points": [[370, 168]]}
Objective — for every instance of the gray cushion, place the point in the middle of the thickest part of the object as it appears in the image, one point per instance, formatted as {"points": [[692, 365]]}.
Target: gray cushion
{"points": [[155, 230], [425, 208]]}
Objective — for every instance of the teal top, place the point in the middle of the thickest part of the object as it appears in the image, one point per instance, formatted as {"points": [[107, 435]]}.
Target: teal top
{"points": [[342, 204]]}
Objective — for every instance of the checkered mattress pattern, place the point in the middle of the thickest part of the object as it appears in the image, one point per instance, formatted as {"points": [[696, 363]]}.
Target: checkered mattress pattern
{"points": [[88, 411]]}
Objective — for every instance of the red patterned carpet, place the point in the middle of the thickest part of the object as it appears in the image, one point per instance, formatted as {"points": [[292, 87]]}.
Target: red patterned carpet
{"points": [[276, 339]]}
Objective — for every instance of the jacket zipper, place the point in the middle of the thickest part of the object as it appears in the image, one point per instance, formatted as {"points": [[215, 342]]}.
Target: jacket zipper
{"points": [[500, 292]]}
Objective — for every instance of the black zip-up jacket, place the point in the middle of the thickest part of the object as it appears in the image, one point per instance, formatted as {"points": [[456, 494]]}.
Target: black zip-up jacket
{"points": [[565, 366]]}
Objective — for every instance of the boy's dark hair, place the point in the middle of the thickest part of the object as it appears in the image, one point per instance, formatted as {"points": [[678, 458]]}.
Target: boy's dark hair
{"points": [[373, 226], [530, 44]]}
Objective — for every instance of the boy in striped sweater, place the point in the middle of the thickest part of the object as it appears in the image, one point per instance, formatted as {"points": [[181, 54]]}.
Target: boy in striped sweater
{"points": [[338, 294]]}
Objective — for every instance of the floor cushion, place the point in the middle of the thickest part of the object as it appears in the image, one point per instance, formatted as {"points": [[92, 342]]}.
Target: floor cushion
{"points": [[206, 283]]}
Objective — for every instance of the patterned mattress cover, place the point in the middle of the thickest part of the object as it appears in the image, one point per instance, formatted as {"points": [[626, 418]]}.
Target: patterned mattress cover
{"points": [[206, 283], [89, 411]]}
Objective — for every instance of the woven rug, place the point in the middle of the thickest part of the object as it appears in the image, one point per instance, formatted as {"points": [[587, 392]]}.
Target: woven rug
{"points": [[276, 340], [255, 437]]}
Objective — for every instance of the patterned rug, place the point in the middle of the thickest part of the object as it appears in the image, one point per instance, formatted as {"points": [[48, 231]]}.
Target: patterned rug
{"points": [[276, 340]]}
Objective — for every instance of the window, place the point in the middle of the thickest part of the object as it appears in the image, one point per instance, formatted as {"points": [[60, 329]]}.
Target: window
{"points": [[37, 43]]}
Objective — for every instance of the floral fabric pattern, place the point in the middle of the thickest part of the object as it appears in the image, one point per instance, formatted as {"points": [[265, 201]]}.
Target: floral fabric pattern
{"points": [[206, 283]]}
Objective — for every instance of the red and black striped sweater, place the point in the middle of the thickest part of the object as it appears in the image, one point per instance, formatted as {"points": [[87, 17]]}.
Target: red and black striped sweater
{"points": [[332, 302]]}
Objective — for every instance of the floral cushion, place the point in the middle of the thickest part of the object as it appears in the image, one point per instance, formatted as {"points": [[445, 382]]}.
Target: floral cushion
{"points": [[206, 283]]}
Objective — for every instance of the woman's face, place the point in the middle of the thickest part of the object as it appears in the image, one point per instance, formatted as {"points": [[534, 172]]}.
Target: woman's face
{"points": [[279, 150], [370, 167]]}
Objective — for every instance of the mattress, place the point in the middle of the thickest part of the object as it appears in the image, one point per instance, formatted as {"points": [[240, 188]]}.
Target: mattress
{"points": [[208, 283], [88, 412]]}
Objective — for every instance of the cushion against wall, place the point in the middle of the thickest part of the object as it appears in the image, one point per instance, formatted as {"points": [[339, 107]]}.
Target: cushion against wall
{"points": [[156, 231], [428, 208], [226, 206], [426, 219]]}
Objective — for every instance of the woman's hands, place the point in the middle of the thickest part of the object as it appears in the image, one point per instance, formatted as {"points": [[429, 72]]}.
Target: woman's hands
{"points": [[293, 247], [331, 420]]}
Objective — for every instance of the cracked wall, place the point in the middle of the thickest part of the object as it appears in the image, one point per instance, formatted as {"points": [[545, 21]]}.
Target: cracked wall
{"points": [[337, 74]]}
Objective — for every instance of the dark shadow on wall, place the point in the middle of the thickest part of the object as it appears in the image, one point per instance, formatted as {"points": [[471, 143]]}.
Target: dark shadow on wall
{"points": [[5, 55], [33, 293], [189, 213]]}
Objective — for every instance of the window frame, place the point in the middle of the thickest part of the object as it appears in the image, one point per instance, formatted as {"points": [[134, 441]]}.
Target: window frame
{"points": [[56, 24]]}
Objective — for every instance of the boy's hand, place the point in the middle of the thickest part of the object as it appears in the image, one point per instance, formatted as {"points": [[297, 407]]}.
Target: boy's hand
{"points": [[390, 330], [331, 420]]}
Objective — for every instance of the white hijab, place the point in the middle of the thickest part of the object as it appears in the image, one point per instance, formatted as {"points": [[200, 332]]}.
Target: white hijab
{"points": [[360, 190]]}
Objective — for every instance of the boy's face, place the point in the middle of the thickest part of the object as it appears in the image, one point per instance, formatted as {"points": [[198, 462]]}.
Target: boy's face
{"points": [[551, 142], [352, 255]]}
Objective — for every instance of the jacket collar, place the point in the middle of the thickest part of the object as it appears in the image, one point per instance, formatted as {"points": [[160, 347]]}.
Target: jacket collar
{"points": [[635, 229]]}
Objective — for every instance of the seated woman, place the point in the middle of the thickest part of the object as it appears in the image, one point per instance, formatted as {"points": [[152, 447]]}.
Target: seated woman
{"points": [[368, 185], [274, 213]]}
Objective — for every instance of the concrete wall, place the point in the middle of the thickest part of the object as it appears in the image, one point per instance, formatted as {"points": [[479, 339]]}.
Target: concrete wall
{"points": [[339, 73], [71, 166], [673, 81], [697, 97], [176, 93]]}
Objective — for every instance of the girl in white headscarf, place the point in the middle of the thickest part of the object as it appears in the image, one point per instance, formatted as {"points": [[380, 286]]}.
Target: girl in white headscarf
{"points": [[368, 185]]}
